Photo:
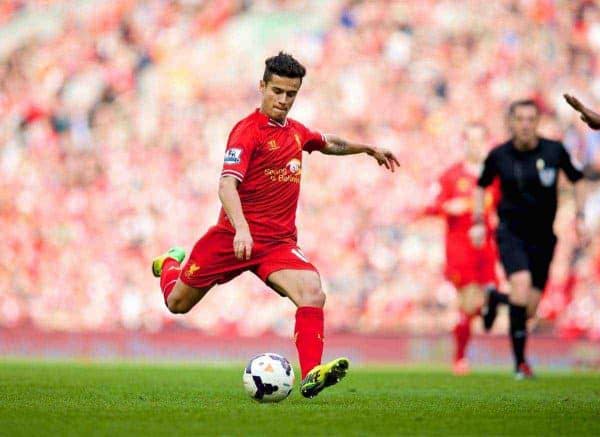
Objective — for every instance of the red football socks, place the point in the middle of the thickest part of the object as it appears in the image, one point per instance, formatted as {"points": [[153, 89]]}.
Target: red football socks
{"points": [[169, 276], [308, 335], [462, 333]]}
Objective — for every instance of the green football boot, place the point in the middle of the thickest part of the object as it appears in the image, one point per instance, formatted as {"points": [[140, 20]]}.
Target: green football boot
{"points": [[323, 376], [177, 253]]}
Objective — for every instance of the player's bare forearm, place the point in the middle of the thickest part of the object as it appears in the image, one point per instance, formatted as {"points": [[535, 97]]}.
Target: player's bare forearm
{"points": [[338, 146], [478, 204], [230, 199], [477, 233]]}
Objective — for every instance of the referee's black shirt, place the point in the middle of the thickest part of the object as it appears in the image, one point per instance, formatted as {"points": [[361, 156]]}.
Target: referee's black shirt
{"points": [[528, 182]]}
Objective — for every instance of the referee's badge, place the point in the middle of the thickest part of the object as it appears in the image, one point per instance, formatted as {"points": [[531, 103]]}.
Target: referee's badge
{"points": [[547, 175]]}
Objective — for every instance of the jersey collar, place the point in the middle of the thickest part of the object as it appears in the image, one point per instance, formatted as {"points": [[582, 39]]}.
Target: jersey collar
{"points": [[264, 120], [537, 145]]}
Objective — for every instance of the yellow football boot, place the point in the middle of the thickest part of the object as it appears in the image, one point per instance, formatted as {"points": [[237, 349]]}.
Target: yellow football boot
{"points": [[323, 376], [177, 253]]}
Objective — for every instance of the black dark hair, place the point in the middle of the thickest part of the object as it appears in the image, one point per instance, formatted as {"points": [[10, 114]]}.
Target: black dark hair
{"points": [[283, 65], [523, 102]]}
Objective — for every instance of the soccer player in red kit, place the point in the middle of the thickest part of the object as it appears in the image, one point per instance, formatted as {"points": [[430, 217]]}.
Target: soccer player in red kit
{"points": [[470, 269], [256, 230]]}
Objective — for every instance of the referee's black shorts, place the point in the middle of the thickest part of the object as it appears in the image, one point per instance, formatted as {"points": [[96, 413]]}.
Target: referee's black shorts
{"points": [[526, 251]]}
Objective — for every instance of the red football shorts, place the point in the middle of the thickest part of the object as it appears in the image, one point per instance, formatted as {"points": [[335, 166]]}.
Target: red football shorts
{"points": [[468, 265], [213, 261]]}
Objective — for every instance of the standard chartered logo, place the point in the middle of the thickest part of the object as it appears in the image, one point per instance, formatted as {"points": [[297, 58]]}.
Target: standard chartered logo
{"points": [[283, 175]]}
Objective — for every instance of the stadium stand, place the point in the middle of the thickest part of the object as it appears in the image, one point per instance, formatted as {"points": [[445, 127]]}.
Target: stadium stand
{"points": [[113, 126]]}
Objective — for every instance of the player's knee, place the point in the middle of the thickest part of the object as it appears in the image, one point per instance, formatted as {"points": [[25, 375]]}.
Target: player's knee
{"points": [[313, 296], [470, 308], [520, 284], [471, 300], [177, 305]]}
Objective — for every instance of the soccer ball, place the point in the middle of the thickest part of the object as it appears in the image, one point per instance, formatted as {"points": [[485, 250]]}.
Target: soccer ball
{"points": [[268, 377]]}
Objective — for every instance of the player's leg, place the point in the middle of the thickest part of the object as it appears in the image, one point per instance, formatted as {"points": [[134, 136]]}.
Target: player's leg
{"points": [[470, 299], [212, 261], [179, 297], [540, 257], [515, 259], [492, 298], [184, 297], [303, 287], [524, 369], [520, 291], [522, 307], [488, 277]]}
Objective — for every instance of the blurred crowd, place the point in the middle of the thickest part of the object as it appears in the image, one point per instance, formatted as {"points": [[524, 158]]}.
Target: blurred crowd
{"points": [[114, 117]]}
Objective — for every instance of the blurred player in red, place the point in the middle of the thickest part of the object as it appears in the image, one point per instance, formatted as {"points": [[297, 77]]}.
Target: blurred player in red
{"points": [[470, 269], [256, 230]]}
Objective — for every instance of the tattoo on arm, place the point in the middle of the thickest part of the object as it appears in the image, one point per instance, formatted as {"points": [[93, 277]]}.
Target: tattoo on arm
{"points": [[337, 146]]}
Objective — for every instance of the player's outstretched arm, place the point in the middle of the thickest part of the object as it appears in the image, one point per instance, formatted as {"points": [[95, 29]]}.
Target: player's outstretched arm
{"points": [[338, 146], [590, 117], [230, 199]]}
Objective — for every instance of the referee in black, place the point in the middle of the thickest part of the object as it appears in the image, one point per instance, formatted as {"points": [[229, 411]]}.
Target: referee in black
{"points": [[528, 168]]}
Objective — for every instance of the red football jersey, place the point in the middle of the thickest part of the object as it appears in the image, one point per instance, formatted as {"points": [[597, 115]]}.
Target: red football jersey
{"points": [[266, 157], [458, 182]]}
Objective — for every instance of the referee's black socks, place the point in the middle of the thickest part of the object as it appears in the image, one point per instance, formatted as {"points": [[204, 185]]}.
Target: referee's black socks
{"points": [[499, 297], [518, 332], [490, 309]]}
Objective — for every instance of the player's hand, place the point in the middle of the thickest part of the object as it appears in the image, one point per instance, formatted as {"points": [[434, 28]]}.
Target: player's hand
{"points": [[457, 206], [242, 243], [590, 117], [385, 157], [477, 234]]}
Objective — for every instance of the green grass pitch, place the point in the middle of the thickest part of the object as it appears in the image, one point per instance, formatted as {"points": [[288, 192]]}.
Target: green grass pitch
{"points": [[140, 399]]}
